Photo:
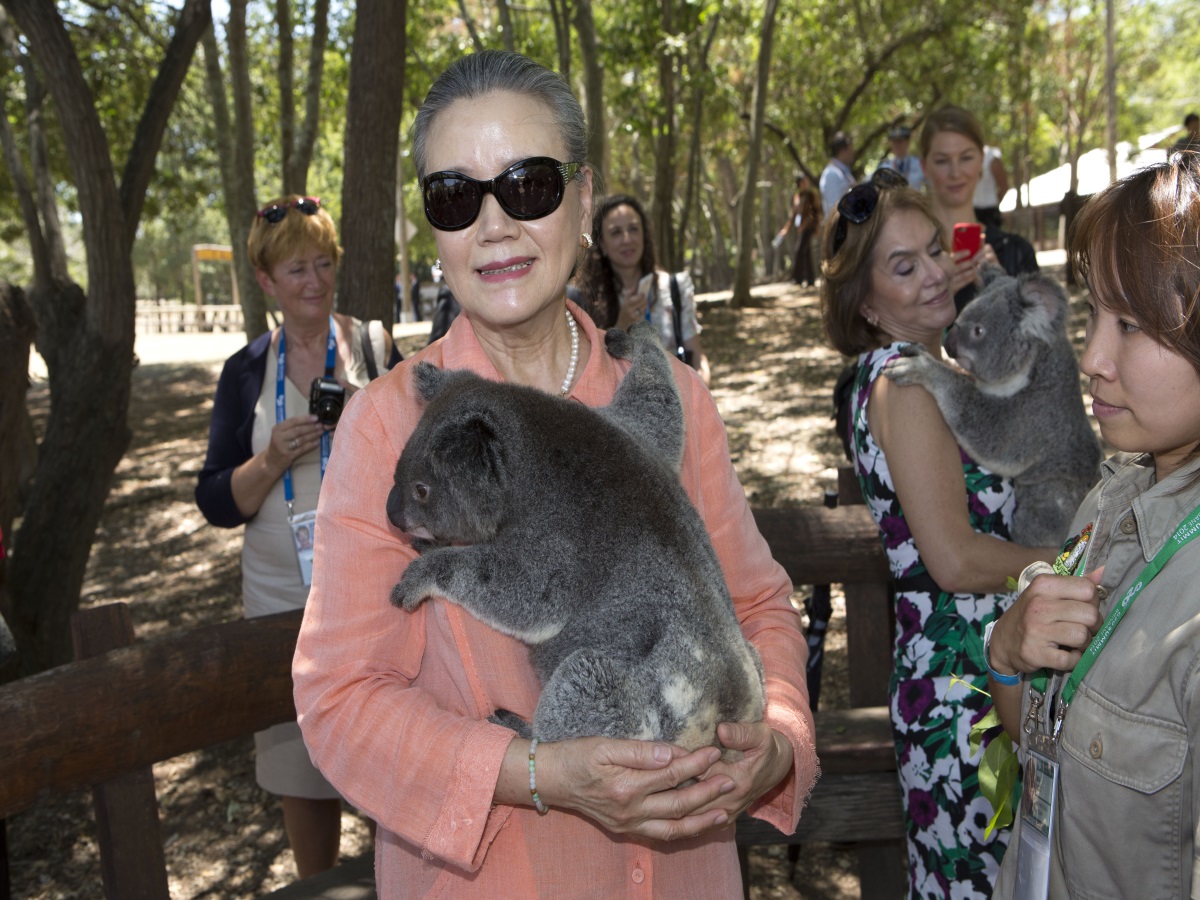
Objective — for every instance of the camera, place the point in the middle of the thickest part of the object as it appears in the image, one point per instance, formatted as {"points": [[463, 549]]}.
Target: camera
{"points": [[325, 400]]}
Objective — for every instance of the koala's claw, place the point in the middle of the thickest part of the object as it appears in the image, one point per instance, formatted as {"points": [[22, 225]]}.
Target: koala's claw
{"points": [[406, 598], [901, 371]]}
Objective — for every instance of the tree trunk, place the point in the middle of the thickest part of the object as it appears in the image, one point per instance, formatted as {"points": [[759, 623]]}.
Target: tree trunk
{"points": [[373, 112], [18, 450], [86, 340], [661, 211], [593, 87], [506, 26], [285, 74], [560, 14], [235, 183], [299, 153], [241, 205], [693, 166], [745, 261]]}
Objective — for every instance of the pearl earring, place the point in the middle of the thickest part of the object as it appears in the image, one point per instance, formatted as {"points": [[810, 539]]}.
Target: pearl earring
{"points": [[585, 241]]}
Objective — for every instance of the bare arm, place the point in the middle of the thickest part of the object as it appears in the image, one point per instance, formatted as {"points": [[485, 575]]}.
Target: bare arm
{"points": [[252, 481], [1001, 176], [1049, 626], [927, 471]]}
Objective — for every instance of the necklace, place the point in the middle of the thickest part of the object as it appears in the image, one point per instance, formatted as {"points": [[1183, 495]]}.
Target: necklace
{"points": [[566, 385]]}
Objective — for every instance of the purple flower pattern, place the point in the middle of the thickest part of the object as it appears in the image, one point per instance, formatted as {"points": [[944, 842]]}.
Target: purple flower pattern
{"points": [[938, 635]]}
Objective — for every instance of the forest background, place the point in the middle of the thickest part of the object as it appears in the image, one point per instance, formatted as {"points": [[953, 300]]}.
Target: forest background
{"points": [[132, 131]]}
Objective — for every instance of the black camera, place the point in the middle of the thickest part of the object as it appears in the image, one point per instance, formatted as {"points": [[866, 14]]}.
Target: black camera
{"points": [[325, 400]]}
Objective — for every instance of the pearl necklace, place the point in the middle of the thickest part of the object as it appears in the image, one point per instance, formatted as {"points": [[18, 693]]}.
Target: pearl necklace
{"points": [[566, 385]]}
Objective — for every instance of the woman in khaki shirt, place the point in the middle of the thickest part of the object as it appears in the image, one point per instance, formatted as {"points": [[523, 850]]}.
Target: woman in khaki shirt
{"points": [[1123, 818]]}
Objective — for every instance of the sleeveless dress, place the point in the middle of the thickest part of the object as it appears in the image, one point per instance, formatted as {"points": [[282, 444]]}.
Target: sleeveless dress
{"points": [[271, 580], [938, 635]]}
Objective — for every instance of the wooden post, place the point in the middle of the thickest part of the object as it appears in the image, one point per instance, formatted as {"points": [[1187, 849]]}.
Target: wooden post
{"points": [[132, 861]]}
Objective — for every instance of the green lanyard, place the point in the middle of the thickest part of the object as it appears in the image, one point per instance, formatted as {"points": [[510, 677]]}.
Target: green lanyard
{"points": [[1186, 531]]}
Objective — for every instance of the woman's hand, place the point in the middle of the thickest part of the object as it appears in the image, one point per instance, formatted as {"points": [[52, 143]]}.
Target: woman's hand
{"points": [[966, 270], [630, 787], [633, 309], [291, 439], [1049, 626], [766, 759]]}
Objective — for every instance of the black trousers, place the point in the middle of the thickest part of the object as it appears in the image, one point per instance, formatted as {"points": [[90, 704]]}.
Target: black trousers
{"points": [[803, 270]]}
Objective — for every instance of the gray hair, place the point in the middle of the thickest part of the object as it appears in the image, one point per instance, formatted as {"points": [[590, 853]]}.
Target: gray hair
{"points": [[489, 71]]}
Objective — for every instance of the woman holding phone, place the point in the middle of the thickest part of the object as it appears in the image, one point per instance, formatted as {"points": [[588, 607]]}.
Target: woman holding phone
{"points": [[952, 158]]}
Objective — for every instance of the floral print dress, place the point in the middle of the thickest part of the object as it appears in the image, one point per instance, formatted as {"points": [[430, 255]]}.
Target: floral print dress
{"points": [[938, 635]]}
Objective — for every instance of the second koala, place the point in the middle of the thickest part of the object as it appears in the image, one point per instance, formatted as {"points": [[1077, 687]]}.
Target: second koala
{"points": [[568, 529], [1019, 412]]}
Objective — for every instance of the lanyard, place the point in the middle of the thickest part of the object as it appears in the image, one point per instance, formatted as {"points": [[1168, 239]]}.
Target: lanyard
{"points": [[281, 405], [1187, 530]]}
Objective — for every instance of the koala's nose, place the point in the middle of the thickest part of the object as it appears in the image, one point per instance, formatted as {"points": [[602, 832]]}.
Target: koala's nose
{"points": [[395, 508], [950, 342]]}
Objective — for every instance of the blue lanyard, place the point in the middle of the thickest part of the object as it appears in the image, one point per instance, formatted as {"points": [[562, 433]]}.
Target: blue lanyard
{"points": [[651, 292], [281, 403]]}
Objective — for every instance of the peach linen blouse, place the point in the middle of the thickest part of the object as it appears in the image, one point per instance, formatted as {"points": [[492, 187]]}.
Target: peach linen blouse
{"points": [[394, 705]]}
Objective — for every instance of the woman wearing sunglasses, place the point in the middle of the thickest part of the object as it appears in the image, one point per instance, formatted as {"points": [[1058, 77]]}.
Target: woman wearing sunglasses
{"points": [[952, 158], [266, 453], [395, 705], [623, 283], [943, 520]]}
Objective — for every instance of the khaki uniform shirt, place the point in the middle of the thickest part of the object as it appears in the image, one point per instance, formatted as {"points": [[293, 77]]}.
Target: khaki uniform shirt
{"points": [[1127, 805]]}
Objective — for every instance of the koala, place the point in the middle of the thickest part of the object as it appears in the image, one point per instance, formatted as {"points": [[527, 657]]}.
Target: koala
{"points": [[568, 529], [1018, 411]]}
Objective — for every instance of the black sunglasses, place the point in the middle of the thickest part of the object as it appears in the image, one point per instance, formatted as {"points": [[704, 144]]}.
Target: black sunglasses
{"points": [[858, 204], [529, 189], [275, 213]]}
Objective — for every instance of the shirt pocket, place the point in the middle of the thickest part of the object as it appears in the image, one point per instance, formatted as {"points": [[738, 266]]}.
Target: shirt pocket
{"points": [[1123, 810]]}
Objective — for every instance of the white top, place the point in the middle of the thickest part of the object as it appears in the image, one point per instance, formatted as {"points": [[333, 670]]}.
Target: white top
{"points": [[985, 191], [835, 181], [660, 306], [271, 579]]}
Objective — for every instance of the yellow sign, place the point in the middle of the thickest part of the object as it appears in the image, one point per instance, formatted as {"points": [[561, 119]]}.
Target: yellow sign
{"points": [[212, 253]]}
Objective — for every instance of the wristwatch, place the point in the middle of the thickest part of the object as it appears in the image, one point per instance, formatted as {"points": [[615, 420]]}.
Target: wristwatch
{"points": [[1007, 680]]}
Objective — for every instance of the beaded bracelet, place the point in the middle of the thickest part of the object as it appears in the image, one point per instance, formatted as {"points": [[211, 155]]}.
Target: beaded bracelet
{"points": [[537, 801]]}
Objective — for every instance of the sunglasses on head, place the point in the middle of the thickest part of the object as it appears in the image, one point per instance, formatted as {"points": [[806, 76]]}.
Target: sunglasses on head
{"points": [[275, 213], [858, 204], [529, 189]]}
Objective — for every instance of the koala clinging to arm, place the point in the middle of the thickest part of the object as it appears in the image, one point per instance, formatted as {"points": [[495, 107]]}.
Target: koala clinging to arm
{"points": [[568, 528], [1019, 411]]}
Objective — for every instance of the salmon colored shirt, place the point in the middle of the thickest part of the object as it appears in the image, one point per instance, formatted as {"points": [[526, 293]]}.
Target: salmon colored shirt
{"points": [[394, 705]]}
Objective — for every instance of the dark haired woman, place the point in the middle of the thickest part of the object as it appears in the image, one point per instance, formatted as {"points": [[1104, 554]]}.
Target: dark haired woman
{"points": [[942, 517], [1096, 663], [623, 283]]}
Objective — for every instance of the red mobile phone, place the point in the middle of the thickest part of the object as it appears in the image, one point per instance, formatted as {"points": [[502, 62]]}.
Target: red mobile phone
{"points": [[968, 236]]}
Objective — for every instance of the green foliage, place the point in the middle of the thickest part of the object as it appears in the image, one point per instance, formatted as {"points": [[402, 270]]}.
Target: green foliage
{"points": [[857, 66]]}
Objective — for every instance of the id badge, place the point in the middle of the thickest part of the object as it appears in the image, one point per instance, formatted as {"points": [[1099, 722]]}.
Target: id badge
{"points": [[303, 533], [1038, 792]]}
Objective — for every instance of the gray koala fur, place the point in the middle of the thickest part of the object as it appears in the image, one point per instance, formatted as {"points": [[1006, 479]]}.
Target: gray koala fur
{"points": [[1019, 412], [567, 528]]}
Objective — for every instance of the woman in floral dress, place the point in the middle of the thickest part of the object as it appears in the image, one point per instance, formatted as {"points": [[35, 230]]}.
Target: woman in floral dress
{"points": [[943, 520]]}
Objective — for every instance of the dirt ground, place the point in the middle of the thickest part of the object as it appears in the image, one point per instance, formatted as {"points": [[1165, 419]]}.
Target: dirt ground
{"points": [[224, 836]]}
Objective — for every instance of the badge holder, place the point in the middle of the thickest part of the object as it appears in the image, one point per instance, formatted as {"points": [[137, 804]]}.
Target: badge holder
{"points": [[303, 534], [1037, 818]]}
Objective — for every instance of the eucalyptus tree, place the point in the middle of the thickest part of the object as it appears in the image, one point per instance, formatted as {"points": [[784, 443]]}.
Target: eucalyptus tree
{"points": [[262, 142], [86, 334]]}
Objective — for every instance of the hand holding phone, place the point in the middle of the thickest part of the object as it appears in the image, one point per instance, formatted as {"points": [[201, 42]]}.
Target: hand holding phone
{"points": [[967, 236]]}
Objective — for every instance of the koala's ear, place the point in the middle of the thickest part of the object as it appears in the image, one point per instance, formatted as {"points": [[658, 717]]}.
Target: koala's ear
{"points": [[470, 443], [989, 273], [429, 380], [1046, 296]]}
